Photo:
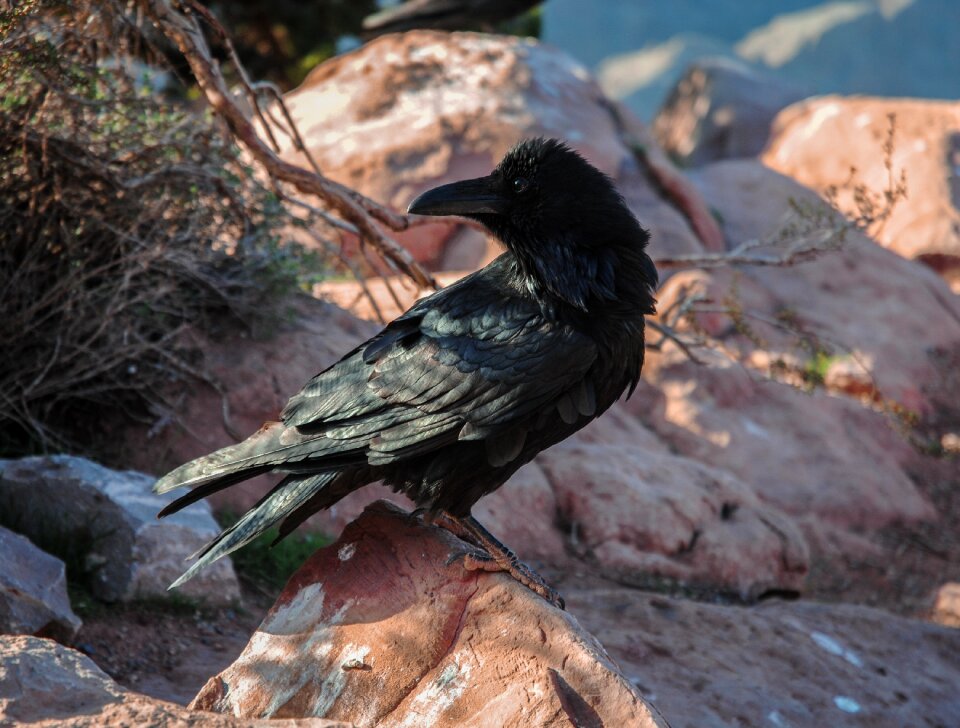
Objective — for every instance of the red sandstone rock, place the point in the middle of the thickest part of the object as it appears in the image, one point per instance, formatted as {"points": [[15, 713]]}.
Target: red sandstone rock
{"points": [[348, 294], [818, 141], [946, 607], [826, 458], [383, 629], [720, 109], [407, 112], [46, 685], [892, 314], [777, 664]]}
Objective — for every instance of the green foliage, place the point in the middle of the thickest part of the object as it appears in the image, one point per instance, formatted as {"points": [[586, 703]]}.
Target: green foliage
{"points": [[270, 566]]}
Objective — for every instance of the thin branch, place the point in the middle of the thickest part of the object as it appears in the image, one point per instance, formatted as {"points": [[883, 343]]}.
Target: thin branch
{"points": [[186, 34], [668, 333]]}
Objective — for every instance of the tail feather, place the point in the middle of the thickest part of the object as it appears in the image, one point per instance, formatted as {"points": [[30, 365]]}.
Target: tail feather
{"points": [[202, 491], [272, 445], [287, 497], [322, 499], [224, 461]]}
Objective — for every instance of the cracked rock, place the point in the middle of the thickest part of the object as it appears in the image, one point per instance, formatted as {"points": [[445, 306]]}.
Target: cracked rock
{"points": [[397, 632], [105, 521], [33, 591]]}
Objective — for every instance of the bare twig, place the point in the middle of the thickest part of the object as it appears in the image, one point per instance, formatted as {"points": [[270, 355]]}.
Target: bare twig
{"points": [[182, 29]]}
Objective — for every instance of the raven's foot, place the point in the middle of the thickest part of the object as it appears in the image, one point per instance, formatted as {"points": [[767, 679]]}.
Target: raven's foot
{"points": [[494, 556]]}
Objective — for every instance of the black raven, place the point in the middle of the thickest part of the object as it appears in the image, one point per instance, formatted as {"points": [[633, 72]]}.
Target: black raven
{"points": [[452, 397]]}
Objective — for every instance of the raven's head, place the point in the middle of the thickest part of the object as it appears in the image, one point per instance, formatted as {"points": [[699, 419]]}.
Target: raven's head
{"points": [[571, 232]]}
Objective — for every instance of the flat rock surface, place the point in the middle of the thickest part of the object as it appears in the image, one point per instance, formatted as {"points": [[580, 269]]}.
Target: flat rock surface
{"points": [[33, 591], [387, 628], [777, 664], [106, 520]]}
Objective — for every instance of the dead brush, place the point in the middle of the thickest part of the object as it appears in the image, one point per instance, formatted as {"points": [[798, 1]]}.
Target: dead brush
{"points": [[123, 221]]}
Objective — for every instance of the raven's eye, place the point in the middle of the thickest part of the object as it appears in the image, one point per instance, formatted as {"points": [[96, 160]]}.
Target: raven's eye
{"points": [[520, 184]]}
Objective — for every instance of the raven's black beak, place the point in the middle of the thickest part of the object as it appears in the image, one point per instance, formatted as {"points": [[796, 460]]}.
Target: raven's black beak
{"points": [[469, 197]]}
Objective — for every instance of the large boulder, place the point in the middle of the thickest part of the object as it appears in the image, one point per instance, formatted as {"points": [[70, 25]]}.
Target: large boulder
{"points": [[407, 112], [776, 664], [720, 109], [387, 628], [33, 591], [819, 141], [827, 461], [830, 453], [867, 305], [105, 521], [47, 685]]}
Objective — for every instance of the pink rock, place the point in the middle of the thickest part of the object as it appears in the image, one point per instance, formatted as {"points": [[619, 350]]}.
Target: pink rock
{"points": [[777, 663], [892, 314], [819, 458], [819, 140], [408, 112], [827, 458], [638, 512], [383, 629], [256, 378], [946, 607]]}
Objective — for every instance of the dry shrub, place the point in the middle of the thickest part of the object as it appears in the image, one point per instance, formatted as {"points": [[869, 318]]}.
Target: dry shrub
{"points": [[124, 219]]}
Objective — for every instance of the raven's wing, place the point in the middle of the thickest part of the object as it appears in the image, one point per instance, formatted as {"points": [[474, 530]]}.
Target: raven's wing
{"points": [[468, 362]]}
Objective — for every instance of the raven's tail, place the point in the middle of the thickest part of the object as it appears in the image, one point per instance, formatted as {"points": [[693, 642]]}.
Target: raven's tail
{"points": [[275, 447], [284, 500], [271, 446]]}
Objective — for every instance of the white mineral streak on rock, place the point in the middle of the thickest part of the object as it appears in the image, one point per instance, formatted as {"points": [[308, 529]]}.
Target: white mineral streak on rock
{"points": [[847, 705], [831, 645], [427, 707], [336, 677], [290, 630]]}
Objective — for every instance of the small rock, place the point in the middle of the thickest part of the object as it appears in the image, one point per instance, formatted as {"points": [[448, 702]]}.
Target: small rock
{"points": [[950, 442], [720, 109], [46, 685], [109, 518], [33, 591], [400, 634], [946, 608]]}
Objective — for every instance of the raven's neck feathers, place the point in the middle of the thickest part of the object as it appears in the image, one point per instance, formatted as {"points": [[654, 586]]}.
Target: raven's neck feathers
{"points": [[574, 280]]}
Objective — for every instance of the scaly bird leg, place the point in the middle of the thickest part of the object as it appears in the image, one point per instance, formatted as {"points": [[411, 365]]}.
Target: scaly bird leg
{"points": [[497, 557]]}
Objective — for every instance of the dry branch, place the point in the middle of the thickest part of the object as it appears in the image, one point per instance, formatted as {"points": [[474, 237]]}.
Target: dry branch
{"points": [[180, 26]]}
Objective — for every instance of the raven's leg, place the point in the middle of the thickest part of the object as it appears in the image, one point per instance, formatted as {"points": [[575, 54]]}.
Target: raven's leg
{"points": [[500, 557]]}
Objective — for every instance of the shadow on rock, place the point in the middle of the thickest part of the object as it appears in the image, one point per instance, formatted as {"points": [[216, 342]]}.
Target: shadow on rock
{"points": [[386, 626]]}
